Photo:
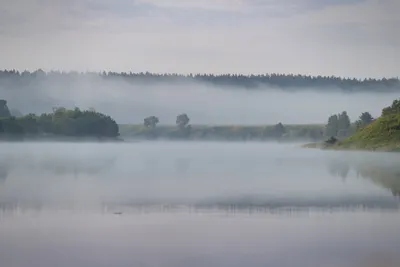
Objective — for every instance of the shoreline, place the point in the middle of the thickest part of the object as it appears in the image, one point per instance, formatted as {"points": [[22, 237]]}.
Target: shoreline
{"points": [[323, 146], [61, 139]]}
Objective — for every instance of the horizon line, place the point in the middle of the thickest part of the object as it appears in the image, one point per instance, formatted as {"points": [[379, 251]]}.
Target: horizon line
{"points": [[192, 74]]}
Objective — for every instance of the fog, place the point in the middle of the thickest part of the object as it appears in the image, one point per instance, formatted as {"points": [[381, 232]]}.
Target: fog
{"points": [[197, 204], [200, 174], [204, 103]]}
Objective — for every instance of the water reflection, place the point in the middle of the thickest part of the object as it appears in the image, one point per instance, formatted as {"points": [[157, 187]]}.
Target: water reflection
{"points": [[382, 173], [239, 178], [339, 168], [3, 172]]}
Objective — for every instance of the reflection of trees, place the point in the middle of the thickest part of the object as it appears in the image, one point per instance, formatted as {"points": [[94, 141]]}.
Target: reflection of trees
{"points": [[339, 168], [57, 165], [387, 176], [382, 174], [3, 172], [78, 166], [5, 166]]}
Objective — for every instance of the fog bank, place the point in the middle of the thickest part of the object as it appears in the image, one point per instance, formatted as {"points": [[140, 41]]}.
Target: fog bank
{"points": [[204, 103]]}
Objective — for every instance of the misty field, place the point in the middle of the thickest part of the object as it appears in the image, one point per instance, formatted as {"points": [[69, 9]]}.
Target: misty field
{"points": [[227, 132]]}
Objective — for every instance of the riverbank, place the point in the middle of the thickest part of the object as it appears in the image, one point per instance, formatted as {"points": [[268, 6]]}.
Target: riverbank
{"points": [[382, 135], [285, 132], [53, 138], [323, 146]]}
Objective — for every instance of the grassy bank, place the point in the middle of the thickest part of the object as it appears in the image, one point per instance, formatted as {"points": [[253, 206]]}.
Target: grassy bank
{"points": [[381, 135]]}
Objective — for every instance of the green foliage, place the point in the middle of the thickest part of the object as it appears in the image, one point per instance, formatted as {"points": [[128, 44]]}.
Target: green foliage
{"points": [[332, 140], [343, 121], [151, 122], [29, 124], [364, 119], [332, 126], [382, 134], [384, 175], [10, 126], [338, 125], [63, 122], [393, 109], [182, 120], [273, 80], [4, 111], [225, 133], [276, 132]]}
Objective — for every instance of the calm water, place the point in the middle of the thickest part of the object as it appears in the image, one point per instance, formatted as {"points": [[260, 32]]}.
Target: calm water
{"points": [[196, 204]]}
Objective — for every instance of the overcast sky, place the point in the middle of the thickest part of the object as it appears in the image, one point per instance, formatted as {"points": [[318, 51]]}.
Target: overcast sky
{"points": [[330, 37]]}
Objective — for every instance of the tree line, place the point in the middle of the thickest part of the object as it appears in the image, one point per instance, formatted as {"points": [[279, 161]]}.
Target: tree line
{"points": [[60, 122], [184, 130], [339, 125], [289, 81]]}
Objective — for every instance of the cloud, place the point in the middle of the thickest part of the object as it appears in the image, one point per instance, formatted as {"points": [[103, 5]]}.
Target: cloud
{"points": [[347, 38]]}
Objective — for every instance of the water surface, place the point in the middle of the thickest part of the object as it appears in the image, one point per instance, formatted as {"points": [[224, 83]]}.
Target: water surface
{"points": [[195, 204]]}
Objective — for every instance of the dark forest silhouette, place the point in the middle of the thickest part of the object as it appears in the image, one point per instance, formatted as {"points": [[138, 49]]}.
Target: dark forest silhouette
{"points": [[285, 81]]}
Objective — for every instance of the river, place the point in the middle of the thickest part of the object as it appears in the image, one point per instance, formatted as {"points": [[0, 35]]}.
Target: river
{"points": [[196, 204]]}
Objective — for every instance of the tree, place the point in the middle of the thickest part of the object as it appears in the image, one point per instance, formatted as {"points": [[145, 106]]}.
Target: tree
{"points": [[4, 111], [151, 122], [182, 120], [332, 127], [11, 127], [343, 121], [315, 134], [279, 130], [338, 125], [393, 109], [62, 122], [29, 124], [364, 119]]}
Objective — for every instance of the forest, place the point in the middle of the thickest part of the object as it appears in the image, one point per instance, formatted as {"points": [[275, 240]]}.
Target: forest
{"points": [[338, 126], [60, 122], [14, 78], [90, 123]]}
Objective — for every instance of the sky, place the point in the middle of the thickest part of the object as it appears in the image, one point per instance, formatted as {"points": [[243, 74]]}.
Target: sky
{"points": [[348, 38]]}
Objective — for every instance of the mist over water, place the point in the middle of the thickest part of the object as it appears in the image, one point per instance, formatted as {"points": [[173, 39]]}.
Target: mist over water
{"points": [[204, 103], [180, 173], [195, 204]]}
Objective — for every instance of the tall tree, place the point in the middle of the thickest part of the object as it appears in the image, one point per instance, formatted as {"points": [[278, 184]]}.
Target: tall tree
{"points": [[332, 127], [182, 120], [151, 122], [364, 119], [4, 111], [343, 121], [279, 130]]}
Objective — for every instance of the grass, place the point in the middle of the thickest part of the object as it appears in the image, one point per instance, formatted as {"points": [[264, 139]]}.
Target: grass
{"points": [[220, 131], [381, 135]]}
